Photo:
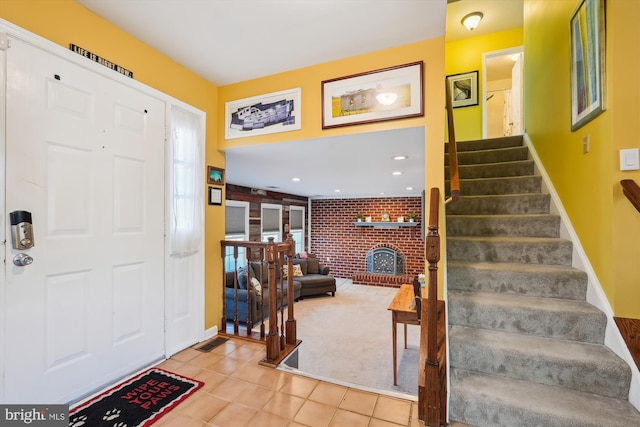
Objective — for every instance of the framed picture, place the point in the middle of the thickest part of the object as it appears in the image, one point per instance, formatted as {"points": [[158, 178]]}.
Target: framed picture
{"points": [[386, 94], [215, 175], [464, 89], [587, 62], [215, 196], [271, 113]]}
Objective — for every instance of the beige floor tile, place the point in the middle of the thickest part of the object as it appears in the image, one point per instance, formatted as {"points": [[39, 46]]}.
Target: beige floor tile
{"points": [[284, 405], [359, 401], [205, 359], [242, 353], [382, 423], [315, 414], [266, 419], [344, 418], [329, 394], [227, 366], [273, 379], [170, 365], [179, 420], [210, 378], [394, 410], [254, 397], [187, 370], [229, 389], [204, 407], [250, 373], [186, 355], [299, 386], [233, 415]]}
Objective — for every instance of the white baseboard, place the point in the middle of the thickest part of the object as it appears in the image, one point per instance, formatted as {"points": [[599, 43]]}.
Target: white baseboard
{"points": [[595, 294], [210, 333]]}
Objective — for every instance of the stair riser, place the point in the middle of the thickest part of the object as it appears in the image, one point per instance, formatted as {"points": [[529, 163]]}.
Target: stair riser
{"points": [[494, 186], [517, 226], [476, 250], [597, 378], [500, 205], [493, 170], [491, 156], [566, 325], [551, 285]]}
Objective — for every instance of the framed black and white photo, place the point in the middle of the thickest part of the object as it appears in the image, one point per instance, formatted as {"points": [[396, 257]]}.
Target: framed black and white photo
{"points": [[215, 196], [270, 113], [464, 89]]}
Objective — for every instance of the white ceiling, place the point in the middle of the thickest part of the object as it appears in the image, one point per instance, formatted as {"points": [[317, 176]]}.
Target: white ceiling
{"points": [[228, 41]]}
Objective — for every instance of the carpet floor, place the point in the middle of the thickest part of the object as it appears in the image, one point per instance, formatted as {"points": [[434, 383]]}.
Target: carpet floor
{"points": [[347, 339]]}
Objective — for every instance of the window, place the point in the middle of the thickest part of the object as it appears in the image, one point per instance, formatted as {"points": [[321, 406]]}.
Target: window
{"points": [[236, 229], [271, 222], [296, 226]]}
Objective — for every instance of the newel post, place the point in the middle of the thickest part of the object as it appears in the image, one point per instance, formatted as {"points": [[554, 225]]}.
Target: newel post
{"points": [[273, 342], [291, 329]]}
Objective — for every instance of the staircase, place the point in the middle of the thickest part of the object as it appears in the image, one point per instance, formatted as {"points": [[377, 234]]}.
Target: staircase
{"points": [[526, 349]]}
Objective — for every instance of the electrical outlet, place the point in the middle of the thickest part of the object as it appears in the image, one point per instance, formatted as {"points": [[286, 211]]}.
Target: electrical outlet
{"points": [[585, 144]]}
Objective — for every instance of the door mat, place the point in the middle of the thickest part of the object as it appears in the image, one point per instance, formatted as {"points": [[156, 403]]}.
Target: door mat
{"points": [[138, 401], [210, 345]]}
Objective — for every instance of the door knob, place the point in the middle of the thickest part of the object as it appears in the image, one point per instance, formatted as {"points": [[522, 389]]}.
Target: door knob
{"points": [[22, 259]]}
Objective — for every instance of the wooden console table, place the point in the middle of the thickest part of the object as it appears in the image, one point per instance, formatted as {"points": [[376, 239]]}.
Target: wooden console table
{"points": [[401, 312]]}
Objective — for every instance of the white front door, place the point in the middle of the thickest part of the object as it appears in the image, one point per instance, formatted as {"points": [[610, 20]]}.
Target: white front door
{"points": [[85, 156]]}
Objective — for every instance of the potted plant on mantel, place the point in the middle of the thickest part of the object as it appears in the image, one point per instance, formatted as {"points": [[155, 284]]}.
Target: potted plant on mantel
{"points": [[359, 217], [411, 216]]}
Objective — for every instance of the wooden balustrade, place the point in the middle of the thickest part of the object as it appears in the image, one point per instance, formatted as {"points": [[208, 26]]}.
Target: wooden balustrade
{"points": [[281, 336], [632, 191]]}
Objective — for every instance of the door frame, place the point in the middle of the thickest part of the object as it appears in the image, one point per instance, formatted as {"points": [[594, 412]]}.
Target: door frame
{"points": [[8, 29], [488, 55]]}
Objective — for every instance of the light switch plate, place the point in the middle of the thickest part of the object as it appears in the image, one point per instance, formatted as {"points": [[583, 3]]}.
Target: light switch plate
{"points": [[630, 159]]}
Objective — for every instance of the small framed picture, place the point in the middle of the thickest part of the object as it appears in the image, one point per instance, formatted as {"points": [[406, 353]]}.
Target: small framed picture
{"points": [[215, 176], [464, 89], [215, 196]]}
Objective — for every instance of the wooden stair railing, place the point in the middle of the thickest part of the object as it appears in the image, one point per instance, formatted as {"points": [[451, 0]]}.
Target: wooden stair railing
{"points": [[281, 336], [454, 176], [432, 376], [631, 189]]}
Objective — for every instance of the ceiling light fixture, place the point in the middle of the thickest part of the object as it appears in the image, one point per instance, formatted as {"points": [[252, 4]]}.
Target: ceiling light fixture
{"points": [[295, 179], [397, 173], [472, 20], [400, 157], [387, 98]]}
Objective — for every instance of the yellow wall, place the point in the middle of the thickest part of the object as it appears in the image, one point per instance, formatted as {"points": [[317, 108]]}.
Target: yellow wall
{"points": [[64, 22], [588, 184], [463, 56]]}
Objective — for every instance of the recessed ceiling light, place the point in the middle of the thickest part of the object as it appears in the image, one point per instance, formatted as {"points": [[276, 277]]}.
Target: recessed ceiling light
{"points": [[382, 193], [409, 188], [295, 179], [336, 190], [400, 157], [397, 173]]}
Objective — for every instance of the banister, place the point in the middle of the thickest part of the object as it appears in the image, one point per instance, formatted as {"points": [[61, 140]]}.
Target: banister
{"points": [[631, 189], [454, 176]]}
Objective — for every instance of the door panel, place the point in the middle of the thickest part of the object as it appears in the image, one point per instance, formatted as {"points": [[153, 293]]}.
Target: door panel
{"points": [[85, 157]]}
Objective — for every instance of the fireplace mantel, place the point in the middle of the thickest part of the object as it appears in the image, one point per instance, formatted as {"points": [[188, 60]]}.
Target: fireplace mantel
{"points": [[387, 224]]}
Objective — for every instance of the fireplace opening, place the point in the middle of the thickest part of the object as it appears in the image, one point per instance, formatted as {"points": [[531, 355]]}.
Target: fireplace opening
{"points": [[385, 261]]}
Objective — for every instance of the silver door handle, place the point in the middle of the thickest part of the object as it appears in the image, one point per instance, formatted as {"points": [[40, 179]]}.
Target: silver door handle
{"points": [[22, 259]]}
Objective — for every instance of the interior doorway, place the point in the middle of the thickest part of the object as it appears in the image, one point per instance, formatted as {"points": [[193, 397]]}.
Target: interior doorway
{"points": [[502, 93]]}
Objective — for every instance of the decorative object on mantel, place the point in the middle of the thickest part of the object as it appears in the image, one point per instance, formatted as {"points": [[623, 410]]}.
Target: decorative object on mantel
{"points": [[386, 217], [359, 217], [411, 216], [400, 219], [367, 219]]}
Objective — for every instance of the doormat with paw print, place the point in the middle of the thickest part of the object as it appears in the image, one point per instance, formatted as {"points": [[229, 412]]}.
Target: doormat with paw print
{"points": [[138, 401]]}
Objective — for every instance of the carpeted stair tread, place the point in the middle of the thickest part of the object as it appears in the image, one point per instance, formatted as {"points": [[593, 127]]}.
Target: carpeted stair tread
{"points": [[484, 400], [553, 281], [547, 317], [500, 185], [487, 144], [510, 154], [536, 250], [533, 225], [509, 204], [586, 367], [491, 170]]}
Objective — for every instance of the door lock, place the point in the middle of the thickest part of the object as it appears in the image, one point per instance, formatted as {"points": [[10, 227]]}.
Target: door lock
{"points": [[22, 260]]}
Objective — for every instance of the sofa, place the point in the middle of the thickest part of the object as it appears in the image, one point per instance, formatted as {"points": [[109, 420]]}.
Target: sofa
{"points": [[314, 277], [251, 298]]}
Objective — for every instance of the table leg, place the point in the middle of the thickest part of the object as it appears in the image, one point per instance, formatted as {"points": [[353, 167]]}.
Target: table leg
{"points": [[395, 337]]}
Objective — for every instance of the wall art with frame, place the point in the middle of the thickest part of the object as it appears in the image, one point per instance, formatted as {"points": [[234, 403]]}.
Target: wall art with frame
{"points": [[215, 196], [270, 113], [385, 94], [587, 62], [215, 175], [464, 89]]}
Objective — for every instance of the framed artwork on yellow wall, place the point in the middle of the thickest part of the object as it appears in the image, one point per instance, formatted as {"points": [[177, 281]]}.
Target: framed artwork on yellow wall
{"points": [[463, 89], [587, 62]]}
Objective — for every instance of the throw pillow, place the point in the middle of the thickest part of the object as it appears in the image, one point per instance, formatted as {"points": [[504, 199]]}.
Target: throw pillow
{"points": [[257, 287], [304, 255], [313, 266], [297, 271]]}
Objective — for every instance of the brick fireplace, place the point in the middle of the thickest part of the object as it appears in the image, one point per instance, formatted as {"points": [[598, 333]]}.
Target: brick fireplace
{"points": [[345, 247]]}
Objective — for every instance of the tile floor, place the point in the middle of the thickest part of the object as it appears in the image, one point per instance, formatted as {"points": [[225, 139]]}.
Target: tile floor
{"points": [[238, 392]]}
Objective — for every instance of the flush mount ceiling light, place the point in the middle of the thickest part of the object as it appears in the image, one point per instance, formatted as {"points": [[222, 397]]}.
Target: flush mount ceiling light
{"points": [[472, 20], [387, 98], [400, 157]]}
